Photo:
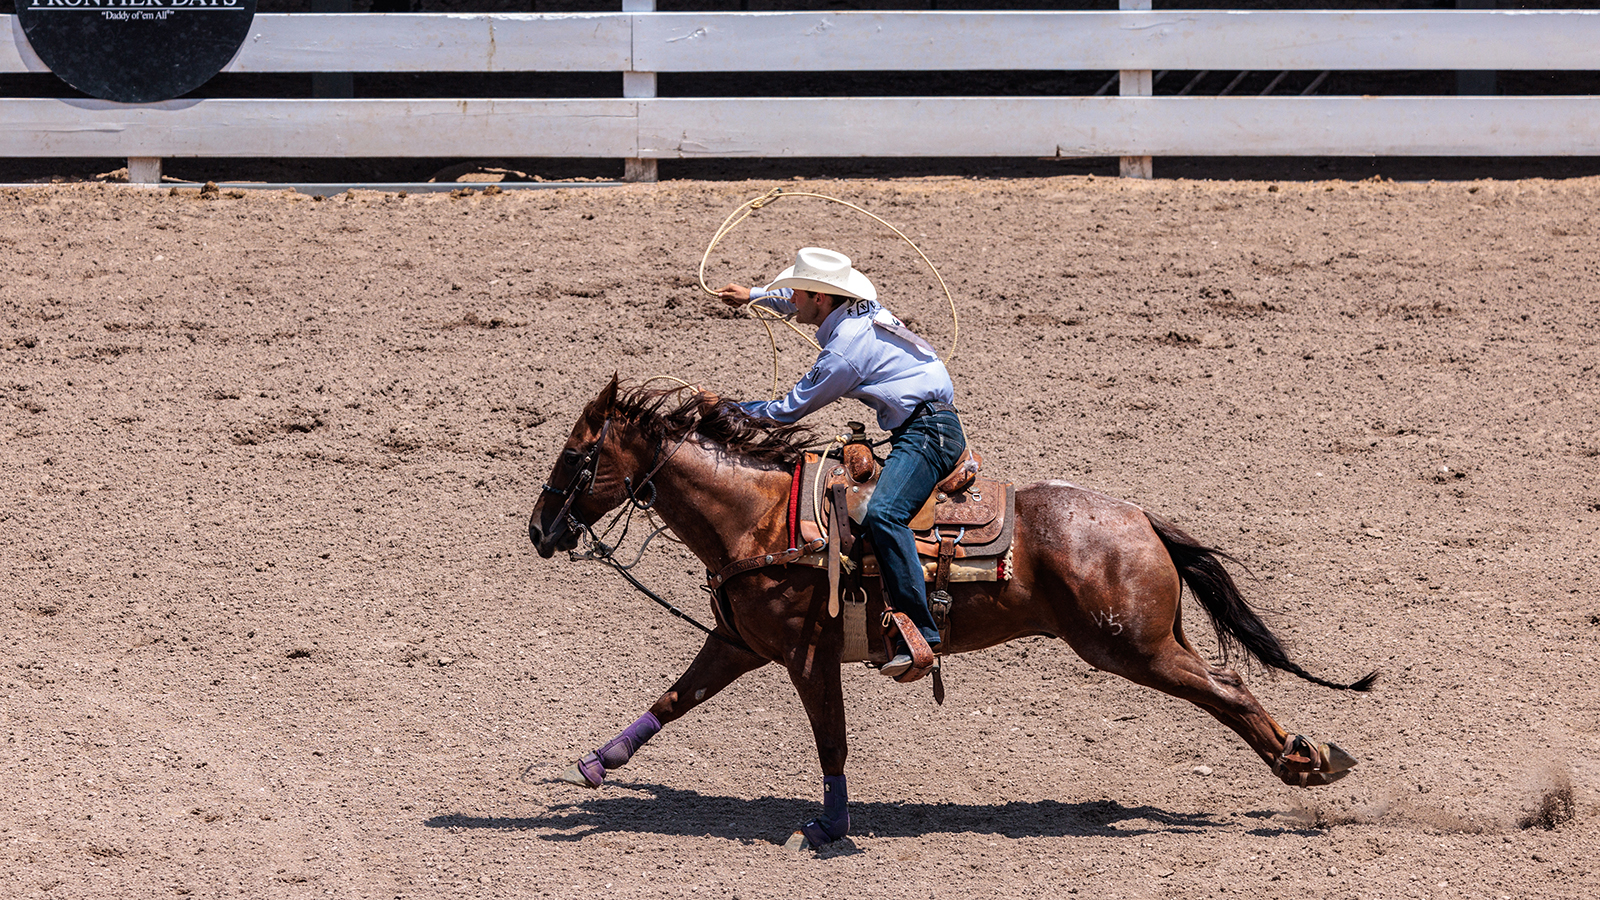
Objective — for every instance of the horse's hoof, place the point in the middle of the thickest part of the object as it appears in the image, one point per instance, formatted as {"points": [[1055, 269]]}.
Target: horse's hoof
{"points": [[1303, 763], [1338, 762], [574, 775], [1317, 779], [798, 842], [589, 772]]}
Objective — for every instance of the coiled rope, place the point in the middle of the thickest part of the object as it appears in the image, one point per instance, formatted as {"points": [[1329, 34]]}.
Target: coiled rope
{"points": [[766, 316]]}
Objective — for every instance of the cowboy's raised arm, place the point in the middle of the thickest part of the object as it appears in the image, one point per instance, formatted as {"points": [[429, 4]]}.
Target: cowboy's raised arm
{"points": [[778, 301], [734, 294]]}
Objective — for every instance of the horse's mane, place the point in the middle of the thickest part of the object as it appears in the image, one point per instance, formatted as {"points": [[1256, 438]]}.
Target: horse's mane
{"points": [[673, 413]]}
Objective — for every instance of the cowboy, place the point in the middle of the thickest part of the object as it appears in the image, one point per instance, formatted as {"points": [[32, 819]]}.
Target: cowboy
{"points": [[869, 355]]}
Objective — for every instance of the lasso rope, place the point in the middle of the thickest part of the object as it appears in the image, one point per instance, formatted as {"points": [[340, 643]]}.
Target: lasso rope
{"points": [[766, 316], [682, 385]]}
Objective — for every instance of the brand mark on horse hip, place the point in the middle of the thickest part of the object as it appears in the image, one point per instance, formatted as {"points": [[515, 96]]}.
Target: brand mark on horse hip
{"points": [[1107, 621]]}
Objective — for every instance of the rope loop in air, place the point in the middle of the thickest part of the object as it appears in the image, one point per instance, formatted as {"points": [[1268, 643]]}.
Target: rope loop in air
{"points": [[766, 316]]}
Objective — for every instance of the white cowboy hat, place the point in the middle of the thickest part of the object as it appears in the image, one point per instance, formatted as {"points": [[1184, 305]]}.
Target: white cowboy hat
{"points": [[816, 269]]}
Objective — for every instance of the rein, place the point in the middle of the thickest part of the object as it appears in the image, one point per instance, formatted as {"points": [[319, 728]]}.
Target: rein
{"points": [[601, 553]]}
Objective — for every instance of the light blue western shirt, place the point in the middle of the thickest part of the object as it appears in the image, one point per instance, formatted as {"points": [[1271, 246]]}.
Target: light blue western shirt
{"points": [[867, 354]]}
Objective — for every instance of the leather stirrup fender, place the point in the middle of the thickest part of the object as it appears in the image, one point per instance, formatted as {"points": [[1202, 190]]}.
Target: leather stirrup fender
{"points": [[834, 550]]}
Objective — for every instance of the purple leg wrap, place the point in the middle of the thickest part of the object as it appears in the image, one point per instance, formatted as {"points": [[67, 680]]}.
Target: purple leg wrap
{"points": [[835, 820], [619, 749]]}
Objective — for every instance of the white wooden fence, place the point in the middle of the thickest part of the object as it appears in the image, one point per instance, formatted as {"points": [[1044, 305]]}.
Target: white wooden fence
{"points": [[642, 127]]}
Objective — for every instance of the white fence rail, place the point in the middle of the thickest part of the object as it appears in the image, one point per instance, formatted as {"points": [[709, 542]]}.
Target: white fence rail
{"points": [[903, 41], [639, 44], [672, 128]]}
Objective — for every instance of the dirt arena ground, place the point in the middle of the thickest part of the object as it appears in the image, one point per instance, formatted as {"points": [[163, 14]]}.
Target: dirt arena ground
{"points": [[273, 627]]}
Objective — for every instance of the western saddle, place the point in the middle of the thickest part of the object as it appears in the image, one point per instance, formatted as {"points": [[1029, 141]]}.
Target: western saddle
{"points": [[963, 534]]}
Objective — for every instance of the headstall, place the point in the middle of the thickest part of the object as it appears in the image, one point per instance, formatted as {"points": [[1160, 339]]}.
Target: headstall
{"points": [[583, 481]]}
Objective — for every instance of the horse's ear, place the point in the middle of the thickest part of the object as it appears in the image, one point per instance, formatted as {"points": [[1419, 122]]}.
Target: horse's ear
{"points": [[608, 397]]}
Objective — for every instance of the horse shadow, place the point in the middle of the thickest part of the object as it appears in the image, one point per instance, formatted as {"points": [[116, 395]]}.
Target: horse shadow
{"points": [[645, 808]]}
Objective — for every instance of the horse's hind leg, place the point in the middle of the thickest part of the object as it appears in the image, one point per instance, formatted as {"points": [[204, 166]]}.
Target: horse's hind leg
{"points": [[716, 666], [1176, 669]]}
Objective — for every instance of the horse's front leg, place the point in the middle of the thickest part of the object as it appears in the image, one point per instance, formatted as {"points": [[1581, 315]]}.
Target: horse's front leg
{"points": [[717, 665], [814, 669]]}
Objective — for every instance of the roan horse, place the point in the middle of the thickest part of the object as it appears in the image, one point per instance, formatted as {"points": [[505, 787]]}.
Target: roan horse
{"points": [[1098, 572]]}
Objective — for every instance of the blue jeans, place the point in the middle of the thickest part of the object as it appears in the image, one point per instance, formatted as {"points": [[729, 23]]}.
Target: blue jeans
{"points": [[924, 451]]}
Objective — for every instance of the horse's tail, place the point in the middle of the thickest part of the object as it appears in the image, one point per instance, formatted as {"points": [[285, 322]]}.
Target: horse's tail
{"points": [[1238, 626]]}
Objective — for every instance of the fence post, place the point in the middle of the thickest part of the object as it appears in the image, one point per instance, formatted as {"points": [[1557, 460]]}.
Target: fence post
{"points": [[1475, 81], [144, 170], [1136, 83], [638, 85], [332, 85]]}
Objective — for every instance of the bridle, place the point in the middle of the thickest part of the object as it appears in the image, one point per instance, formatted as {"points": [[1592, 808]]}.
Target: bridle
{"points": [[584, 479], [583, 482]]}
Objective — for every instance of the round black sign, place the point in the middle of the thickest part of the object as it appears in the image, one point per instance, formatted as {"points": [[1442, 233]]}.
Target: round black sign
{"points": [[136, 51]]}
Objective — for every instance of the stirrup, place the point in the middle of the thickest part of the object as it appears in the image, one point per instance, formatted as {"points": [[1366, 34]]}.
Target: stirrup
{"points": [[922, 658], [895, 671]]}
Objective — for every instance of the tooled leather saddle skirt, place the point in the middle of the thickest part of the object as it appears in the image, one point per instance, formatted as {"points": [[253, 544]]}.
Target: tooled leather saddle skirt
{"points": [[969, 517]]}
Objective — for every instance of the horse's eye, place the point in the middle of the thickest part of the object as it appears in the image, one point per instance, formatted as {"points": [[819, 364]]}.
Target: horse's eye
{"points": [[570, 456]]}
